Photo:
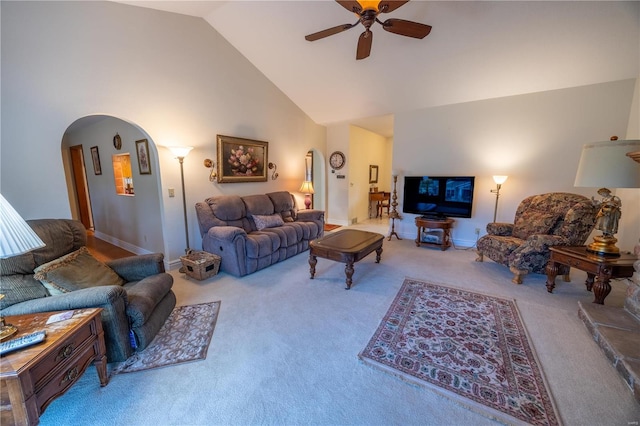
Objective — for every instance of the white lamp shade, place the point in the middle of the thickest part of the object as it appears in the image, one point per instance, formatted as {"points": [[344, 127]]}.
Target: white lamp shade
{"points": [[17, 237], [307, 187], [606, 164], [180, 151], [500, 179]]}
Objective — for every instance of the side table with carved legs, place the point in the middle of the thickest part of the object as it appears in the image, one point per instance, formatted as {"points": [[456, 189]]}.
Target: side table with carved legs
{"points": [[600, 269]]}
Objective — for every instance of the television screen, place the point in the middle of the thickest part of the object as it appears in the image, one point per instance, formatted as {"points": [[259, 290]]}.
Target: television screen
{"points": [[438, 196]]}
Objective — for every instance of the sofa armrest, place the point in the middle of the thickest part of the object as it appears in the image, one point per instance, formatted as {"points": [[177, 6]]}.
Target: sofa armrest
{"points": [[94, 297], [228, 233], [533, 255], [113, 301], [500, 228], [135, 268], [145, 295], [230, 243], [310, 215], [543, 241]]}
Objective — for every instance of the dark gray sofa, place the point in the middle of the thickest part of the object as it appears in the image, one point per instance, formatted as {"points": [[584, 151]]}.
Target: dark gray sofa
{"points": [[141, 305], [229, 230]]}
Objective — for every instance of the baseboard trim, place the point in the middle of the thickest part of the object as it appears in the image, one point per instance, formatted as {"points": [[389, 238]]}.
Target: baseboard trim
{"points": [[122, 244]]}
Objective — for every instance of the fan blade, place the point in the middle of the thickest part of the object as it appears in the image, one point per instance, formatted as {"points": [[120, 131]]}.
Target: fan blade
{"points": [[387, 6], [406, 28], [364, 45], [328, 32], [351, 6]]}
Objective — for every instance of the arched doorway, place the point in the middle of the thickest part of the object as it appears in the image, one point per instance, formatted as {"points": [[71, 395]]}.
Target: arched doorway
{"points": [[108, 190], [315, 169]]}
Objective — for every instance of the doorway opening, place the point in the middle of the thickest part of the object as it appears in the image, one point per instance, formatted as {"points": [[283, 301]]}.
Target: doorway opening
{"points": [[100, 183], [79, 176]]}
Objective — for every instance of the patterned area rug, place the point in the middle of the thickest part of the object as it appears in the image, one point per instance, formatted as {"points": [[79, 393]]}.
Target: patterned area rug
{"points": [[468, 346], [184, 337], [330, 227]]}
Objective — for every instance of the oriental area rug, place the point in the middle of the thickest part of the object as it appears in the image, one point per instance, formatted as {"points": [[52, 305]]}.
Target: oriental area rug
{"points": [[184, 337], [467, 346]]}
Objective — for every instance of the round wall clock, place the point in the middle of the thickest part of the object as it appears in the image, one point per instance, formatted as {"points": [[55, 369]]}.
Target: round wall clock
{"points": [[117, 141], [336, 160]]}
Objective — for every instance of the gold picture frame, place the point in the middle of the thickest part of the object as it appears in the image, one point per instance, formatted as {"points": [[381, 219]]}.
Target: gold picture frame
{"points": [[144, 161], [242, 160], [373, 174]]}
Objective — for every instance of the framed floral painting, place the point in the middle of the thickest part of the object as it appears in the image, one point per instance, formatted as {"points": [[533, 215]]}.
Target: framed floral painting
{"points": [[242, 160], [144, 163]]}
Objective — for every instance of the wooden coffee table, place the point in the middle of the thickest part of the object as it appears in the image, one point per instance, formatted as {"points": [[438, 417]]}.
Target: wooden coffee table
{"points": [[346, 246], [32, 377], [600, 269]]}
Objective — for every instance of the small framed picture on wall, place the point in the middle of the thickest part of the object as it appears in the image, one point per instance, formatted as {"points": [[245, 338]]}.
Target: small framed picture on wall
{"points": [[144, 163], [95, 158]]}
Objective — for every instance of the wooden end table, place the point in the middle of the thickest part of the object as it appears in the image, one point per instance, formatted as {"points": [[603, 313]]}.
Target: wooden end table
{"points": [[600, 269], [346, 246], [428, 223], [32, 377]]}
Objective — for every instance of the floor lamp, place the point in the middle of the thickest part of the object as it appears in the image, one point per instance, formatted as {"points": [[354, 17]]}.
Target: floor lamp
{"points": [[17, 237], [180, 152], [394, 211], [499, 180]]}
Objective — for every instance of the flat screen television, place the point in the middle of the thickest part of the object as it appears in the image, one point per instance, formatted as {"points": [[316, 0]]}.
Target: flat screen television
{"points": [[438, 196]]}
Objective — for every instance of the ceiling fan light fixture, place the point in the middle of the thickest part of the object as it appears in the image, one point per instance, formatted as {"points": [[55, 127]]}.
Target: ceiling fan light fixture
{"points": [[369, 4], [367, 12]]}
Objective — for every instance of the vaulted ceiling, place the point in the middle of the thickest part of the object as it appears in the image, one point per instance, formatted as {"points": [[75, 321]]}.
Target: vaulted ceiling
{"points": [[476, 50]]}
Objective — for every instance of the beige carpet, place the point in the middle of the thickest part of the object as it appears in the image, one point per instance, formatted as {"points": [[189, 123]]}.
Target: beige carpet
{"points": [[285, 351]]}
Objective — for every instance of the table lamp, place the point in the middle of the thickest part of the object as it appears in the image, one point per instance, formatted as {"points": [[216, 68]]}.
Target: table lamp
{"points": [[606, 165], [307, 190], [17, 237]]}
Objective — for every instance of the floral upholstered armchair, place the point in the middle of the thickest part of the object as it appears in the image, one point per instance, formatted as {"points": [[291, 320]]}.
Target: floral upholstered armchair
{"points": [[542, 221]]}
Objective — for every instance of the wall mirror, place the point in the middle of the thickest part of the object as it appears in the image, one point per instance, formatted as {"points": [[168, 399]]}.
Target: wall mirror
{"points": [[373, 174]]}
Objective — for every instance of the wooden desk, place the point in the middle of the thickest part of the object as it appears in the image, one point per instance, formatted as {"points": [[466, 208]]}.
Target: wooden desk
{"points": [[32, 377], [600, 269], [378, 198], [427, 223], [346, 246]]}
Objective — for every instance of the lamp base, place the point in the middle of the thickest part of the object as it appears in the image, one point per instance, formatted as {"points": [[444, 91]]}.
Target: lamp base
{"points": [[307, 201], [604, 245], [7, 331]]}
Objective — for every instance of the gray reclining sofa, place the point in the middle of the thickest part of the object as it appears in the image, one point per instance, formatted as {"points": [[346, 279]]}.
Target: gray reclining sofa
{"points": [[252, 232]]}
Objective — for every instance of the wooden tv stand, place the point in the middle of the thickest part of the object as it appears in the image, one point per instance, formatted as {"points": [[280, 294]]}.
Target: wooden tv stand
{"points": [[435, 223]]}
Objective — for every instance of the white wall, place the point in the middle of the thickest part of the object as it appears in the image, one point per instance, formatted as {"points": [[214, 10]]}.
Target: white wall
{"points": [[535, 139], [172, 75], [338, 189]]}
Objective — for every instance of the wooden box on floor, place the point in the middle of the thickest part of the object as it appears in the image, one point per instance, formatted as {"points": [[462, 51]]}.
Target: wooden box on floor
{"points": [[200, 264]]}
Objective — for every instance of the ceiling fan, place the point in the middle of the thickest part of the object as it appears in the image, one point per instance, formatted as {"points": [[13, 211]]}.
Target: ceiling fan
{"points": [[367, 12]]}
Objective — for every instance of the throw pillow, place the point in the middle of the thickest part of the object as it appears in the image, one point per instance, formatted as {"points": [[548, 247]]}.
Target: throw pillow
{"points": [[75, 271], [534, 222], [267, 221]]}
